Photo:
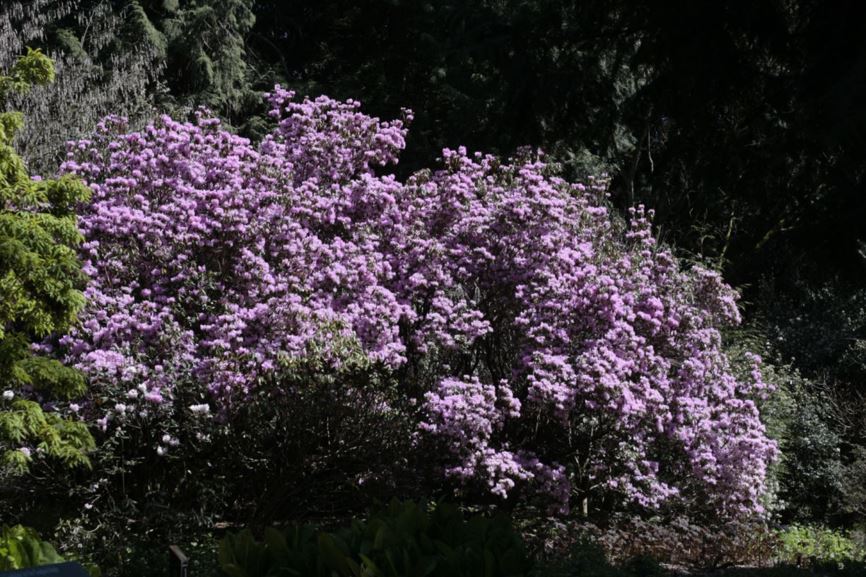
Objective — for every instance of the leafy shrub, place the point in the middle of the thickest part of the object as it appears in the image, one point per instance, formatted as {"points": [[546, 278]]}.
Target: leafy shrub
{"points": [[823, 332], [784, 570], [40, 282], [402, 539], [804, 545], [686, 543], [812, 475], [588, 559], [808, 481], [854, 484], [21, 547], [733, 549]]}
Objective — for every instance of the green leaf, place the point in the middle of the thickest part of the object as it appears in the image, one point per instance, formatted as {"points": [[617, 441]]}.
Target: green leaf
{"points": [[332, 555]]}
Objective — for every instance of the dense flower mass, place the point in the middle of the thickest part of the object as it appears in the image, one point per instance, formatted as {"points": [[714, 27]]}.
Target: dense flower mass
{"points": [[567, 353]]}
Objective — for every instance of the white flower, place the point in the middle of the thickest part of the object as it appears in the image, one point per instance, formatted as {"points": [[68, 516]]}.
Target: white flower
{"points": [[120, 408], [132, 393], [170, 441], [8, 395], [25, 451], [161, 451], [74, 407], [200, 409]]}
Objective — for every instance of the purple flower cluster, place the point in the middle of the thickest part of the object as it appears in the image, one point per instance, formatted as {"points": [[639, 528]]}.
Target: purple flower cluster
{"points": [[568, 351]]}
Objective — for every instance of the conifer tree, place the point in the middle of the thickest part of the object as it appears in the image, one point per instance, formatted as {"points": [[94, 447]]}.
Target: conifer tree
{"points": [[107, 57], [40, 278], [207, 59]]}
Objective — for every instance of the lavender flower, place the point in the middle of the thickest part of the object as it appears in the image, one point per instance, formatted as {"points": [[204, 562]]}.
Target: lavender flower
{"points": [[230, 263]]}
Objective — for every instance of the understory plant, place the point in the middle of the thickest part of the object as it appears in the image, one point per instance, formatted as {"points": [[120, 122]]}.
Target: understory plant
{"points": [[21, 548], [701, 546], [403, 538], [811, 545]]}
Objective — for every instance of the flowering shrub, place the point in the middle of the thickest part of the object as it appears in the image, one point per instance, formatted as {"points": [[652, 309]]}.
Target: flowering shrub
{"points": [[545, 346]]}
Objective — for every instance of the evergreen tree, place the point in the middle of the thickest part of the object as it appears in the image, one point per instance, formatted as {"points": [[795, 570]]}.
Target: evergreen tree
{"points": [[39, 294], [206, 52], [108, 56]]}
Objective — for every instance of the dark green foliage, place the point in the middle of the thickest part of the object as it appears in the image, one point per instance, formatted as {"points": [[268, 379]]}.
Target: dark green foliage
{"points": [[207, 53], [813, 471], [489, 75], [40, 278], [401, 540], [824, 331], [319, 446], [588, 559], [203, 46], [828, 570], [854, 485], [819, 475], [824, 334]]}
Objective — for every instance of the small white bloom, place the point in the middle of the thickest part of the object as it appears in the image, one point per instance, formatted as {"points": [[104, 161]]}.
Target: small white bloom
{"points": [[161, 451], [166, 438], [132, 393], [25, 451], [120, 408], [74, 407], [8, 395], [200, 409]]}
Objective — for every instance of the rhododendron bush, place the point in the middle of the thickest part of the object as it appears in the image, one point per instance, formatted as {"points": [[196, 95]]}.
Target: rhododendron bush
{"points": [[543, 347]]}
